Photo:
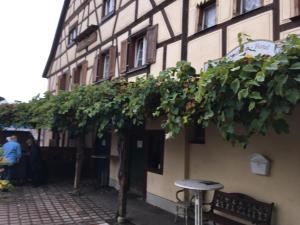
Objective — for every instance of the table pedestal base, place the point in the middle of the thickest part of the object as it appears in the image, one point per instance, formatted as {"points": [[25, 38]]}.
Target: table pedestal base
{"points": [[198, 208]]}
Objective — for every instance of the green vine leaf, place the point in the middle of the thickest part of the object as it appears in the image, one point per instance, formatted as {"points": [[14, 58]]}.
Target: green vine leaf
{"points": [[295, 66], [243, 94], [251, 106], [235, 85], [292, 96], [249, 68], [255, 95]]}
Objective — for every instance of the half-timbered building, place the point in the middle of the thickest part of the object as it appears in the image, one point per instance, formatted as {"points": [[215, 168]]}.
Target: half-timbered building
{"points": [[98, 40]]}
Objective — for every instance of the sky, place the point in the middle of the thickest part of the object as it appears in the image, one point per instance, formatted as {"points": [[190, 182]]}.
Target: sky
{"points": [[27, 29]]}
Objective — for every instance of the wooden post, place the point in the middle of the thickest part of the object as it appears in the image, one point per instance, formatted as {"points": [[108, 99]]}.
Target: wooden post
{"points": [[39, 137], [79, 161], [123, 176]]}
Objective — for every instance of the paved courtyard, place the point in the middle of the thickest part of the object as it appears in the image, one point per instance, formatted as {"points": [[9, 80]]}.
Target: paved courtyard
{"points": [[53, 205]]}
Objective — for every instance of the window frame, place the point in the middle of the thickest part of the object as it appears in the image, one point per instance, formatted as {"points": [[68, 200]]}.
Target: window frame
{"points": [[79, 74], [150, 134], [202, 8], [109, 14], [71, 40], [106, 65], [143, 39], [238, 10], [99, 64], [197, 134], [63, 79], [128, 67]]}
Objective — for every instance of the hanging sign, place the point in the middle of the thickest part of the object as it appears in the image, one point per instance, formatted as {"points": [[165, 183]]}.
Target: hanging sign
{"points": [[253, 48]]}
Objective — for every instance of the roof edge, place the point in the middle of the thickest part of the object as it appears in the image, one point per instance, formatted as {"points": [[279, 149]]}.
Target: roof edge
{"points": [[57, 36]]}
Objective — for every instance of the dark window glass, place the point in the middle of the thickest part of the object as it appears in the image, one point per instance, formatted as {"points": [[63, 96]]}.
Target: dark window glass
{"points": [[72, 35], [155, 144], [209, 16]]}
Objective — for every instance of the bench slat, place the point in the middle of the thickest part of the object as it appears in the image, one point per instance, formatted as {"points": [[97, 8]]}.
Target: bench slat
{"points": [[220, 219], [241, 206]]}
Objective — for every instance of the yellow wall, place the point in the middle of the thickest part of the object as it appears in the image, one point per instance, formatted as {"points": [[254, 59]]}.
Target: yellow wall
{"points": [[219, 161], [174, 165], [257, 27], [205, 48]]}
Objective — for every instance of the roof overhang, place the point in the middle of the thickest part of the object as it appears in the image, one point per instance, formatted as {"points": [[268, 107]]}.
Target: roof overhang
{"points": [[56, 37]]}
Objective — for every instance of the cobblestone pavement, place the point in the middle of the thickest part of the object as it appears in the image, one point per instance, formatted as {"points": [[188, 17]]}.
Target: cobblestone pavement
{"points": [[53, 205]]}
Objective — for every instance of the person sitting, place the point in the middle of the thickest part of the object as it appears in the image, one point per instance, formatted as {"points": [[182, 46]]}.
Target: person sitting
{"points": [[12, 154]]}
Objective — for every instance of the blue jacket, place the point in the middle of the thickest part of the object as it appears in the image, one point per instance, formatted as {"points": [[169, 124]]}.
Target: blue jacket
{"points": [[12, 151]]}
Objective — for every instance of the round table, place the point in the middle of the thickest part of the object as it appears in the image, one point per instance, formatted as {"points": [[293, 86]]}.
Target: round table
{"points": [[198, 186]]}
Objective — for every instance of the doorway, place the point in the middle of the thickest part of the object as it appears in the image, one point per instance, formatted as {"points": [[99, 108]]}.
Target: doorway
{"points": [[101, 159], [137, 164]]}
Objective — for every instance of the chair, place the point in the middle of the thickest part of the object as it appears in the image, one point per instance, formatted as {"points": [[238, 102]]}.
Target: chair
{"points": [[183, 207]]}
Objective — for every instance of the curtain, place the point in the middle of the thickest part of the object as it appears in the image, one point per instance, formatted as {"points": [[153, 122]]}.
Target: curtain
{"points": [[249, 5], [210, 17]]}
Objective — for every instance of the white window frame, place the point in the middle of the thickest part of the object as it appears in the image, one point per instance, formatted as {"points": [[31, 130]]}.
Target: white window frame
{"points": [[72, 35], [136, 51], [109, 7], [213, 5], [106, 65], [242, 7]]}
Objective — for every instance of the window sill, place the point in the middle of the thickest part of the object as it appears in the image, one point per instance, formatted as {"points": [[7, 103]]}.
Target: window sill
{"points": [[207, 29], [100, 81], [71, 45], [247, 13], [137, 69], [156, 171], [295, 18], [107, 17]]}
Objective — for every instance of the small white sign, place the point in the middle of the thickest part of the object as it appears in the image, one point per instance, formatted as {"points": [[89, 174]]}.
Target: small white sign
{"points": [[139, 144], [253, 48], [260, 164]]}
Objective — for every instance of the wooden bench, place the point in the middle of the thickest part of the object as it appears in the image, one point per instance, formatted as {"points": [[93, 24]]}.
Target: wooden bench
{"points": [[236, 205]]}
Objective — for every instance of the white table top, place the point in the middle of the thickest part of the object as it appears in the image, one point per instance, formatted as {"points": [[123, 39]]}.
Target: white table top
{"points": [[200, 185]]}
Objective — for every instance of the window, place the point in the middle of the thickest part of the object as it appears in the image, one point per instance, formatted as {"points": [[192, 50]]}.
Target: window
{"points": [[62, 84], [104, 65], [72, 35], [249, 5], [109, 7], [155, 145], [197, 133], [79, 74], [207, 15], [139, 50], [244, 6], [296, 10]]}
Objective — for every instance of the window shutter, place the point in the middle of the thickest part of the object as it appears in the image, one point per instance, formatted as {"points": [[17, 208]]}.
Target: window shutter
{"points": [[112, 61], [95, 69], [124, 49], [68, 81], [236, 7], [296, 8], [100, 67], [75, 76], [151, 43], [83, 73], [200, 22]]}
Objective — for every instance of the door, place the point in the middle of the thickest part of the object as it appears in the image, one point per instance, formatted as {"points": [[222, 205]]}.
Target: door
{"points": [[137, 165], [102, 158]]}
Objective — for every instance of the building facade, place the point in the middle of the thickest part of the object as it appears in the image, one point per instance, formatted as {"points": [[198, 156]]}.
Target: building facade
{"points": [[99, 40]]}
